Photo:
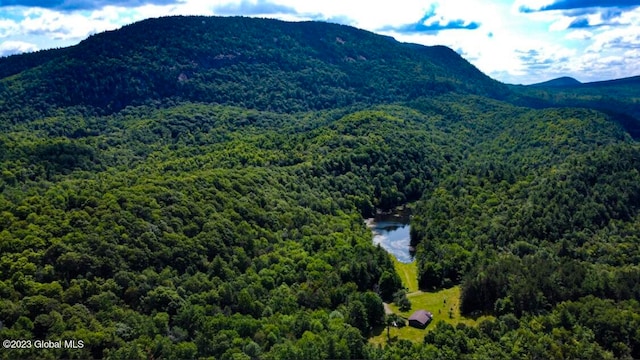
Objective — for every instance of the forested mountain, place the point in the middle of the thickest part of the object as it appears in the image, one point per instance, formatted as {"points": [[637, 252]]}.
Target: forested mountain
{"points": [[195, 187], [564, 81], [618, 98], [253, 63]]}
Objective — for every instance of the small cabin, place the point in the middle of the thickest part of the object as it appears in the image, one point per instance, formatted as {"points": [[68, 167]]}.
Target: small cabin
{"points": [[420, 319]]}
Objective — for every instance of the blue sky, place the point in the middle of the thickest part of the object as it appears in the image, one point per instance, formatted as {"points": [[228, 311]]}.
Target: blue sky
{"points": [[514, 41]]}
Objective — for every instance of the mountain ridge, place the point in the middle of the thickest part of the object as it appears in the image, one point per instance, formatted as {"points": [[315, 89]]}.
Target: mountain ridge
{"points": [[566, 81], [558, 82], [195, 58], [631, 80]]}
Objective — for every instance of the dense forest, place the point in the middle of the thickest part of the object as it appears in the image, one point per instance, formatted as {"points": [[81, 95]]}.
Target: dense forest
{"points": [[195, 187], [617, 98]]}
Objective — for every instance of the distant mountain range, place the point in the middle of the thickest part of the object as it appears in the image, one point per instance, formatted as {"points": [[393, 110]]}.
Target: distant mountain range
{"points": [[566, 81], [618, 98]]}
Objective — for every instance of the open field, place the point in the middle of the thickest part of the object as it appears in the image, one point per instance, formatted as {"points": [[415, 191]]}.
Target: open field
{"points": [[443, 304], [408, 273]]}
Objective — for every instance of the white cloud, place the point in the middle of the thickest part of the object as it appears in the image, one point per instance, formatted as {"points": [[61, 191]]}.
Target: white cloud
{"points": [[62, 26], [365, 14], [631, 17], [15, 47], [615, 38], [632, 54], [579, 35], [484, 13], [532, 4], [8, 28], [561, 23], [187, 8]]}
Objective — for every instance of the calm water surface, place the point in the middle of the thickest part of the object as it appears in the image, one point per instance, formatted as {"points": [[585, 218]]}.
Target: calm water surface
{"points": [[392, 232]]}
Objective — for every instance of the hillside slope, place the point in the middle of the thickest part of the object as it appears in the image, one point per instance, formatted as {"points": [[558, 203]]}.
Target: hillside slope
{"points": [[254, 63], [620, 98], [559, 82]]}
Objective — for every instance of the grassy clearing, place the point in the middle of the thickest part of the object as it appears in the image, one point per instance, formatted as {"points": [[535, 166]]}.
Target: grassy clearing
{"points": [[408, 274], [408, 333], [443, 304]]}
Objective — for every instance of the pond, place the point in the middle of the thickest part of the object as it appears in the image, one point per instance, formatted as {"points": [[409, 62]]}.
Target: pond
{"points": [[392, 232]]}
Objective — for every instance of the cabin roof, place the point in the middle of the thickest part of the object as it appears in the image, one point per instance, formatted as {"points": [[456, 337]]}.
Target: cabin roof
{"points": [[421, 316]]}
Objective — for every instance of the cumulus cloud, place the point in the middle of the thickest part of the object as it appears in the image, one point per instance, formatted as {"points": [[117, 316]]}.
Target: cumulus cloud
{"points": [[579, 34], [607, 67], [579, 4], [259, 7], [534, 59], [16, 47], [610, 14], [71, 5], [597, 20], [431, 22], [609, 55], [580, 23], [56, 25], [623, 39], [340, 19], [8, 27]]}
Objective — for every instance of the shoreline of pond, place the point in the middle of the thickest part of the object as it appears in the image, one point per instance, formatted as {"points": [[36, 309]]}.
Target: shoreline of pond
{"points": [[392, 231]]}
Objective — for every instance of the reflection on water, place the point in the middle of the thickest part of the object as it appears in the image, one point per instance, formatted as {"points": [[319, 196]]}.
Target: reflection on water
{"points": [[392, 232]]}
